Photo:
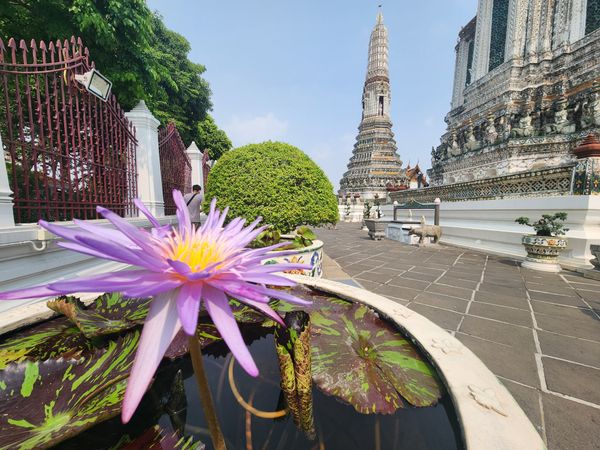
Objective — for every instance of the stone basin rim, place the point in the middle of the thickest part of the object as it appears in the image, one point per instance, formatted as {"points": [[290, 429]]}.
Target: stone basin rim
{"points": [[316, 245], [489, 417]]}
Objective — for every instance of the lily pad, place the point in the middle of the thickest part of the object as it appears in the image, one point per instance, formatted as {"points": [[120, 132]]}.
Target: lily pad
{"points": [[110, 313], [206, 332], [157, 438], [366, 362], [45, 402], [47, 340]]}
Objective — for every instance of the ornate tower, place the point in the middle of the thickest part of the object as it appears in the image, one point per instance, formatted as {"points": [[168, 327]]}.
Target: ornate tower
{"points": [[374, 162]]}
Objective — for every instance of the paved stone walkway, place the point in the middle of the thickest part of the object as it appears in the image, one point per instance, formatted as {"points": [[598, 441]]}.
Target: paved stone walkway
{"points": [[539, 333]]}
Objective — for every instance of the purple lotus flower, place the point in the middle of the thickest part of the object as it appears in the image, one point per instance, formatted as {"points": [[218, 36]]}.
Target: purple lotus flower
{"points": [[179, 267]]}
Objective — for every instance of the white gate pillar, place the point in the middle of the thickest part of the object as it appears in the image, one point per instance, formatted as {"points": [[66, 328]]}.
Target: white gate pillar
{"points": [[195, 156], [6, 204], [149, 182]]}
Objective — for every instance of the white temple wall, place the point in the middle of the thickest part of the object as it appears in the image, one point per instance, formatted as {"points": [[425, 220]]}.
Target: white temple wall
{"points": [[577, 20], [489, 225], [535, 30], [460, 73], [29, 256], [483, 33]]}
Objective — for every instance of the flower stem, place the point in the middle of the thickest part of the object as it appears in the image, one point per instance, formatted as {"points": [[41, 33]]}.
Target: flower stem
{"points": [[205, 395]]}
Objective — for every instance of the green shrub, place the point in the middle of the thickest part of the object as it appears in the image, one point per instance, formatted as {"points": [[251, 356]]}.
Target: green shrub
{"points": [[548, 225], [276, 181]]}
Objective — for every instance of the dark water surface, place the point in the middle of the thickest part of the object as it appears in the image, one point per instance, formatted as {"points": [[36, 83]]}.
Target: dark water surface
{"points": [[338, 426]]}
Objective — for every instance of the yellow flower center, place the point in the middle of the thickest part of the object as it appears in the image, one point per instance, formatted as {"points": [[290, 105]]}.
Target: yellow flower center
{"points": [[197, 253]]}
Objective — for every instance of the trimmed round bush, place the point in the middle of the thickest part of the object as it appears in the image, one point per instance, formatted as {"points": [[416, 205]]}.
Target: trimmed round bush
{"points": [[276, 181]]}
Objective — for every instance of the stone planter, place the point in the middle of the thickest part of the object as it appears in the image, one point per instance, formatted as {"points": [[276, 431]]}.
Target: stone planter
{"points": [[543, 252], [308, 255], [595, 249], [489, 416], [376, 228]]}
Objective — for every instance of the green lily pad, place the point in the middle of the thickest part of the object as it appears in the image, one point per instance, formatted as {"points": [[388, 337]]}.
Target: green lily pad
{"points": [[366, 362], [110, 313], [45, 402], [206, 332], [47, 340], [157, 438]]}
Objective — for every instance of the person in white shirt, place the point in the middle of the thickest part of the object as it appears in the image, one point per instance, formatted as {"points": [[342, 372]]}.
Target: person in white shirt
{"points": [[194, 200]]}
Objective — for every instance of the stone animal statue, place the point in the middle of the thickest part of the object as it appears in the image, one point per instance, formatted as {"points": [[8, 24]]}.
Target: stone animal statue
{"points": [[434, 231]]}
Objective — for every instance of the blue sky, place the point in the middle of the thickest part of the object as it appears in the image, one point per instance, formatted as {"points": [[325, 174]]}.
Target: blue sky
{"points": [[294, 71]]}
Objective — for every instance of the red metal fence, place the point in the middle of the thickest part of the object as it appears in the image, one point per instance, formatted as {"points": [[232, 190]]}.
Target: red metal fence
{"points": [[66, 150], [175, 166]]}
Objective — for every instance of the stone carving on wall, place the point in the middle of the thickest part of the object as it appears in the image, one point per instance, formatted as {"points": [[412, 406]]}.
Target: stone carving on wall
{"points": [[561, 124], [454, 147], [471, 141], [529, 111], [524, 127], [594, 106], [491, 134]]}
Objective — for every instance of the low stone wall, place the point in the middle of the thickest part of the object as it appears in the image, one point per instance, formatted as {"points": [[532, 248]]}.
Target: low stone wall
{"points": [[540, 183], [489, 225], [29, 256]]}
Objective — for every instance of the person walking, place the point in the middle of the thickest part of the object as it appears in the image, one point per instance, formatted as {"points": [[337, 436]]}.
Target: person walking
{"points": [[194, 200]]}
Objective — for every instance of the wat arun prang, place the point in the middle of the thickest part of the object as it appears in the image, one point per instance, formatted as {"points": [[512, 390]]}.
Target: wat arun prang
{"points": [[374, 163]]}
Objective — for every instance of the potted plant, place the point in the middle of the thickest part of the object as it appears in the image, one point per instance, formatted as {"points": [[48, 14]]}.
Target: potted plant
{"points": [[544, 247], [375, 225], [281, 184]]}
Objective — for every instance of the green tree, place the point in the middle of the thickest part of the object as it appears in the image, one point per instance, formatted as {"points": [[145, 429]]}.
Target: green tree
{"points": [[211, 137], [129, 44]]}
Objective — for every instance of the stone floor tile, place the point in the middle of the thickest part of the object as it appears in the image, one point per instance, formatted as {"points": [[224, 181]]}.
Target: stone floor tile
{"points": [[594, 286], [465, 294], [442, 301], [374, 262], [388, 269], [434, 266], [443, 318], [407, 282], [505, 280], [557, 283], [529, 401], [397, 292], [552, 309], [501, 313], [572, 379], [589, 295], [414, 274], [376, 276], [569, 326], [518, 337], [577, 350], [368, 285], [573, 300], [570, 425], [501, 290], [502, 300], [459, 274], [513, 363], [456, 282], [401, 267], [354, 269]]}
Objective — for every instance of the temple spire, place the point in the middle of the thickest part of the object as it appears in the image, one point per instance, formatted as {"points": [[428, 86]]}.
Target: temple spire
{"points": [[378, 51], [375, 164]]}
